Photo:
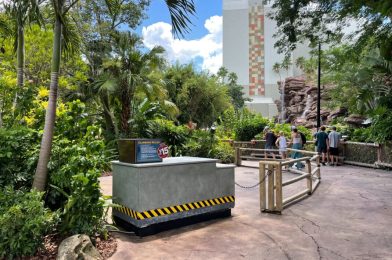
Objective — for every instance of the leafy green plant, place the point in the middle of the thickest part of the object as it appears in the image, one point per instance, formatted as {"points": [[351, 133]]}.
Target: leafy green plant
{"points": [[24, 222], [248, 126], [83, 211], [200, 144], [174, 136], [18, 153], [224, 152], [72, 157]]}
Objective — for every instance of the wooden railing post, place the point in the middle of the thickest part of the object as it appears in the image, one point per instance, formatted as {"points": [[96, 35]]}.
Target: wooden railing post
{"points": [[310, 178], [271, 177], [237, 156], [278, 185], [262, 177]]}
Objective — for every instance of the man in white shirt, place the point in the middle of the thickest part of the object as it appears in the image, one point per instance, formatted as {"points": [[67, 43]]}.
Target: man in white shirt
{"points": [[334, 139]]}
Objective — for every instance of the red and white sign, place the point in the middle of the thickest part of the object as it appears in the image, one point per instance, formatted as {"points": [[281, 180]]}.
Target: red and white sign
{"points": [[163, 150]]}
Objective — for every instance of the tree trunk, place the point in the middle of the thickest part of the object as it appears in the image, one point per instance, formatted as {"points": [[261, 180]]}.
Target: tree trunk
{"points": [[111, 129], [20, 63], [41, 172], [20, 56], [125, 111]]}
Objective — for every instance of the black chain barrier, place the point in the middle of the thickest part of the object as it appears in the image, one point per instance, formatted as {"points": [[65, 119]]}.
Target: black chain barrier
{"points": [[257, 184]]}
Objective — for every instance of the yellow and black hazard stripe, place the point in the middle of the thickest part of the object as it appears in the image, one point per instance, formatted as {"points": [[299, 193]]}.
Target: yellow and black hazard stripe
{"points": [[174, 209]]}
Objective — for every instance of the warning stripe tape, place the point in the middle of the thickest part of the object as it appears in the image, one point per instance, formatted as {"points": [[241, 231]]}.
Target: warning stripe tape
{"points": [[174, 209]]}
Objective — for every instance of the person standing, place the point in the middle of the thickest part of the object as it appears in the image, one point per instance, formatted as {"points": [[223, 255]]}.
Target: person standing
{"points": [[281, 142], [296, 140], [334, 140], [322, 144], [270, 139]]}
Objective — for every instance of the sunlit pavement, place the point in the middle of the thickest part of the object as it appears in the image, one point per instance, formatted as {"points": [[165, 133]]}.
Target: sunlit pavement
{"points": [[348, 217]]}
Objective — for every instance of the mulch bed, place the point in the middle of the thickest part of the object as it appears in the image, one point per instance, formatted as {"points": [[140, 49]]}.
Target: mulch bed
{"points": [[51, 243]]}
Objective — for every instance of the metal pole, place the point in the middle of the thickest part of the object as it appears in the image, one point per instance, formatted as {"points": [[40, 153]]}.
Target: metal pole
{"points": [[319, 88]]}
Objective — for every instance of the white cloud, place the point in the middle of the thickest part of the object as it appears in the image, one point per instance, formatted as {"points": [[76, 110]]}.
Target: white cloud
{"points": [[208, 47]]}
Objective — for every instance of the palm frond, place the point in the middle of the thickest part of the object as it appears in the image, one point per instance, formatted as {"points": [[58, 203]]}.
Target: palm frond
{"points": [[71, 37], [180, 11]]}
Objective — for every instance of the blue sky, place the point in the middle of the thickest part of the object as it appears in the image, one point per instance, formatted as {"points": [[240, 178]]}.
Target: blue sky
{"points": [[201, 46]]}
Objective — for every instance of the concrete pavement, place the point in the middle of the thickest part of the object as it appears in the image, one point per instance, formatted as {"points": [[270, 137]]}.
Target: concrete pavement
{"points": [[348, 217]]}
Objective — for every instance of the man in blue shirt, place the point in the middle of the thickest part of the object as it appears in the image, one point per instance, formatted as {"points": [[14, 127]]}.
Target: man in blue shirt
{"points": [[322, 144]]}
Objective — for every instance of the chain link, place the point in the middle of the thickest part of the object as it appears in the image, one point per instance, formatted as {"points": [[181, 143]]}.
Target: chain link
{"points": [[257, 184]]}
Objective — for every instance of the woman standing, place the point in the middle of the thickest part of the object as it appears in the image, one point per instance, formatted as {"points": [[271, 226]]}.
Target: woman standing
{"points": [[296, 140], [281, 142]]}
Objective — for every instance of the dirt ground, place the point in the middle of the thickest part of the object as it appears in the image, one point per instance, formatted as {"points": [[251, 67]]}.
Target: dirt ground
{"points": [[348, 217]]}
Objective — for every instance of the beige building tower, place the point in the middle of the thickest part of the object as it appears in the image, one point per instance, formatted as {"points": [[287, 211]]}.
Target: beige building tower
{"points": [[248, 50]]}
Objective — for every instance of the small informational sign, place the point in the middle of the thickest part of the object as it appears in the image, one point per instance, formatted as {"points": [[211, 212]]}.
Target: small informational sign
{"points": [[146, 151], [163, 150]]}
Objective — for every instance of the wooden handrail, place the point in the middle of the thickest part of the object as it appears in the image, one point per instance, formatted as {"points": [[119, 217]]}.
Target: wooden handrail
{"points": [[295, 179], [271, 195]]}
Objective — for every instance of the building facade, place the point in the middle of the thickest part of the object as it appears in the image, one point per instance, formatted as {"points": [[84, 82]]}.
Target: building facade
{"points": [[248, 50]]}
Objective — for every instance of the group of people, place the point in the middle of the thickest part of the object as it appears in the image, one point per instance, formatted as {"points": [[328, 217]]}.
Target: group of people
{"points": [[326, 144]]}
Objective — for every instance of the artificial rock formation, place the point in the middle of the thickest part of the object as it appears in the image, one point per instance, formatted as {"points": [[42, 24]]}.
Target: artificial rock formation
{"points": [[300, 103], [77, 247]]}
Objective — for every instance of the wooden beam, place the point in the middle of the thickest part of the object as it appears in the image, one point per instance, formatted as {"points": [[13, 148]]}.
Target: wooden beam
{"points": [[296, 171], [295, 160], [295, 197], [263, 201], [278, 183], [309, 182], [316, 183], [271, 193], [237, 156], [303, 176]]}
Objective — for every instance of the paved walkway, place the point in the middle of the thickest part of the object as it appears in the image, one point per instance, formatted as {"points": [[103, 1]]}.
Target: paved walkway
{"points": [[348, 217]]}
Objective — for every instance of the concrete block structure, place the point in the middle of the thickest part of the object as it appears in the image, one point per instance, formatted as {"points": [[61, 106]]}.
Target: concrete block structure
{"points": [[248, 50], [176, 188]]}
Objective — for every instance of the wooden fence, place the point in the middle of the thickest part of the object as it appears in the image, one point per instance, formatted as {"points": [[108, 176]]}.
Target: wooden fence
{"points": [[270, 176], [355, 153]]}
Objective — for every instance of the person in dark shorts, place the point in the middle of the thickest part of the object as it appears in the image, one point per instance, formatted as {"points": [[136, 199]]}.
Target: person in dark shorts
{"points": [[270, 139], [334, 139], [322, 144]]}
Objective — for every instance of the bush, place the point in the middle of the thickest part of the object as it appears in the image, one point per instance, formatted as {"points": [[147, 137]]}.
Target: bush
{"points": [[224, 152], [249, 126], [84, 209], [18, 156], [174, 136], [72, 157], [24, 222], [361, 135], [200, 144]]}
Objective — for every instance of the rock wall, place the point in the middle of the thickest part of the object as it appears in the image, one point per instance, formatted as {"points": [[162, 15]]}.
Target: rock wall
{"points": [[300, 103]]}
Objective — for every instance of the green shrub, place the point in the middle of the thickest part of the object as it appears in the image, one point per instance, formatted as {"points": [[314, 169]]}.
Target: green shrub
{"points": [[72, 157], [224, 152], [18, 156], [174, 136], [200, 144], [84, 208], [24, 222], [361, 135], [247, 128], [381, 129]]}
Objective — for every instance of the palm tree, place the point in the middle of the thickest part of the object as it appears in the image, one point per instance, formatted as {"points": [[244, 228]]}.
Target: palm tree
{"points": [[22, 12], [180, 11], [129, 71], [61, 29]]}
